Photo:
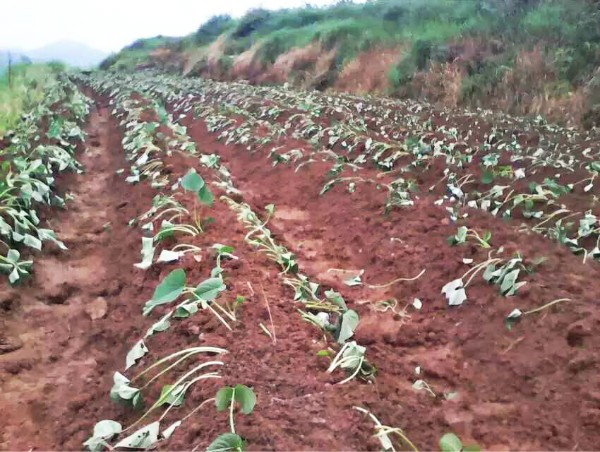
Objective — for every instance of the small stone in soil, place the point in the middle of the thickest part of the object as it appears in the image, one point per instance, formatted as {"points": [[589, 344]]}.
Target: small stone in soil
{"points": [[97, 309]]}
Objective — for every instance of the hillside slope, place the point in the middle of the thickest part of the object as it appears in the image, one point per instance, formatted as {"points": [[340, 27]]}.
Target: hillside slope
{"points": [[522, 56]]}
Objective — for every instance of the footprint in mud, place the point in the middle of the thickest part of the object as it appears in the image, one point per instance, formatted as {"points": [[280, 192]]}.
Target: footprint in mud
{"points": [[9, 343], [59, 294]]}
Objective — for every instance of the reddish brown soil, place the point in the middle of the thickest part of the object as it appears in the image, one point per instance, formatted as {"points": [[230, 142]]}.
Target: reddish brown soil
{"points": [[368, 72], [535, 387], [66, 358], [531, 388]]}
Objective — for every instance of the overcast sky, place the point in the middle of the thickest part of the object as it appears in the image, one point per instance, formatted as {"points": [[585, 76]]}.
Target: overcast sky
{"points": [[109, 25]]}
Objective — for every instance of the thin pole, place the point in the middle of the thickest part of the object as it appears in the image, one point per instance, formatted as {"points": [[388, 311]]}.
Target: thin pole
{"points": [[9, 71]]}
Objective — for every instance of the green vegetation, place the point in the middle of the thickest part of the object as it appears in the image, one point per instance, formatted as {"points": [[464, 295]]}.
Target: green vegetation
{"points": [[476, 176], [42, 145], [495, 49], [23, 90]]}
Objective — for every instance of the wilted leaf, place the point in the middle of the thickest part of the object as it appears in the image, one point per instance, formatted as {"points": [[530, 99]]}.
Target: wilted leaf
{"points": [[138, 350], [103, 432], [141, 439], [455, 292], [172, 396], [348, 323]]}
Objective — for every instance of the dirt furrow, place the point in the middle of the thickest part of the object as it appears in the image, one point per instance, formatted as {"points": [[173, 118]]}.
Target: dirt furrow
{"points": [[69, 317]]}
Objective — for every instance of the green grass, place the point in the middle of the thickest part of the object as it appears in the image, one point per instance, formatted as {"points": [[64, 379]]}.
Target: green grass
{"points": [[26, 89], [567, 31], [347, 36]]}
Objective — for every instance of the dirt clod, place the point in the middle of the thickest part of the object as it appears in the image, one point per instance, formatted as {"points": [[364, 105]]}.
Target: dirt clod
{"points": [[97, 309]]}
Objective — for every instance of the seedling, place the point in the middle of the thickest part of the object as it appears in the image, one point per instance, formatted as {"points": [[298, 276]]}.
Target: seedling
{"points": [[15, 268], [202, 296], [351, 359], [505, 277], [260, 237], [193, 182], [422, 385], [383, 433], [516, 315], [463, 234], [399, 194], [173, 395], [226, 397]]}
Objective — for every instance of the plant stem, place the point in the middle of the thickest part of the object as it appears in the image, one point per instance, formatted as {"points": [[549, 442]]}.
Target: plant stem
{"points": [[547, 305], [269, 311], [231, 411], [475, 270], [391, 283]]}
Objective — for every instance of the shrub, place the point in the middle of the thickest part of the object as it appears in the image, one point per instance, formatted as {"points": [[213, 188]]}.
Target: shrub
{"points": [[215, 26], [251, 22], [484, 79], [281, 41]]}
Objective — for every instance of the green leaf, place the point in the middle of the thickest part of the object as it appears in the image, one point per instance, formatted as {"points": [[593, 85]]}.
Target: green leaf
{"points": [[489, 273], [49, 235], [508, 282], [32, 242], [245, 397], [160, 326], [223, 398], [227, 442], [209, 160], [13, 256], [348, 323], [487, 236], [192, 181], [161, 112], [461, 234], [450, 443], [103, 432], [124, 394], [208, 289], [487, 177], [512, 318], [222, 249], [354, 280], [205, 196], [455, 292], [14, 276], [172, 396], [336, 298], [167, 291], [186, 309]]}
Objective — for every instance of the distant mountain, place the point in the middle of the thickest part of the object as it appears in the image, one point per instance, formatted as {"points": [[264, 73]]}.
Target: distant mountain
{"points": [[69, 52]]}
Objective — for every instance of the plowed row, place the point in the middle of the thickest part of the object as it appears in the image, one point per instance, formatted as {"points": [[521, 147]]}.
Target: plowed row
{"points": [[439, 368]]}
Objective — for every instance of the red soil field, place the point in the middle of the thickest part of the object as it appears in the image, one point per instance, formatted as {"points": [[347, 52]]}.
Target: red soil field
{"points": [[68, 328]]}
